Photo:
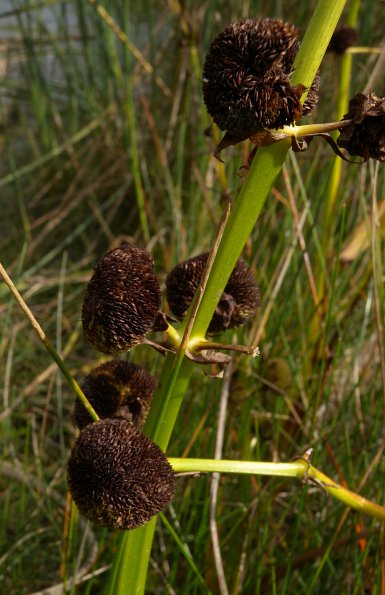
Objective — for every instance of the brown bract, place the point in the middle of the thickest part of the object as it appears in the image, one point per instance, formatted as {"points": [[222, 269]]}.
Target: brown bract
{"points": [[246, 78], [116, 389], [122, 299], [365, 135], [118, 478], [239, 300]]}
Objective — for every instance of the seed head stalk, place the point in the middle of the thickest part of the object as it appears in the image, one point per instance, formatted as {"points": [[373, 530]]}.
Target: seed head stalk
{"points": [[129, 573]]}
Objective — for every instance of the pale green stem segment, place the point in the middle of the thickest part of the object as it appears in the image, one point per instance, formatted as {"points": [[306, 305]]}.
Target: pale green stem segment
{"points": [[300, 469], [266, 166], [47, 344], [316, 40], [295, 469], [363, 50], [346, 496], [308, 129], [176, 374]]}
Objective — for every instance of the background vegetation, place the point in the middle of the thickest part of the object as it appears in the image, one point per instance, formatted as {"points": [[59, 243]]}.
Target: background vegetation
{"points": [[104, 136]]}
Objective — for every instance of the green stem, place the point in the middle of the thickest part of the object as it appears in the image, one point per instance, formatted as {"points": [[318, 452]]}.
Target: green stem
{"points": [[133, 557], [294, 469], [309, 129], [264, 170], [265, 167], [300, 469], [316, 40], [346, 496], [176, 374]]}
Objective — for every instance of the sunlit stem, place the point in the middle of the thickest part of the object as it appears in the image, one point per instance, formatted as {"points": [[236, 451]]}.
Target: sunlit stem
{"points": [[311, 129], [129, 573], [207, 344], [363, 50], [300, 469], [173, 336]]}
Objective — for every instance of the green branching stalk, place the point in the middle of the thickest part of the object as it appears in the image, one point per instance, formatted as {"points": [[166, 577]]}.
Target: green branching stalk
{"points": [[295, 469], [300, 469], [129, 575]]}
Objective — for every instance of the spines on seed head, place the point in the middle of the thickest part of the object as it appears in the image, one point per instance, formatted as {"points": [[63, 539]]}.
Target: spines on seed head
{"points": [[246, 77], [122, 300], [238, 303], [118, 478], [365, 135], [116, 389]]}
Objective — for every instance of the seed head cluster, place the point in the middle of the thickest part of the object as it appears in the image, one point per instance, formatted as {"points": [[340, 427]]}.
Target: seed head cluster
{"points": [[116, 389], [118, 478], [239, 300], [246, 78], [365, 135], [122, 300]]}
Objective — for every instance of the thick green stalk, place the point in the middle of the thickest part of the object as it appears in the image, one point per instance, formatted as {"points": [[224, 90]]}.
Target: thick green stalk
{"points": [[265, 168], [255, 191], [176, 373], [316, 40], [131, 571]]}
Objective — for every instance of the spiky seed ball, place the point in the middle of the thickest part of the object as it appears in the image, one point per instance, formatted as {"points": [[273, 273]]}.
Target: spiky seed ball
{"points": [[239, 300], [342, 39], [122, 299], [116, 389], [246, 77], [118, 478], [365, 135]]}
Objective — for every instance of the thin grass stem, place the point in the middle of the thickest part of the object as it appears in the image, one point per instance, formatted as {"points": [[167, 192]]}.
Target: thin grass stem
{"points": [[47, 344]]}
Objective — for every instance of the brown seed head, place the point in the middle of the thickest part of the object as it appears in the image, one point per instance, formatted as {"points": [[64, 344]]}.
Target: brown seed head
{"points": [[122, 299], [118, 478], [365, 135], [116, 389], [239, 300], [312, 97], [246, 77], [342, 39]]}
